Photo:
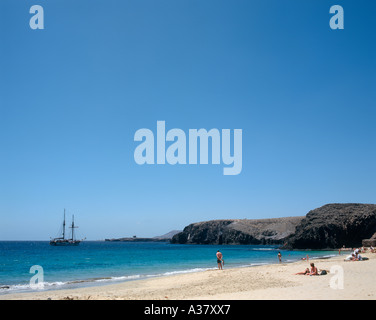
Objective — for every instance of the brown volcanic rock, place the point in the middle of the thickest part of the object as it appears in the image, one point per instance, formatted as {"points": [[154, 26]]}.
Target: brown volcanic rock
{"points": [[328, 227], [238, 231], [335, 225]]}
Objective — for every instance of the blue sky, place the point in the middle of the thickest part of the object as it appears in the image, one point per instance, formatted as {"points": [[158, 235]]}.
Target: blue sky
{"points": [[73, 95]]}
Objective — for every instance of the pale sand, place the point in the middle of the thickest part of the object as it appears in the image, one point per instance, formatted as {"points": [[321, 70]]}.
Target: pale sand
{"points": [[270, 282]]}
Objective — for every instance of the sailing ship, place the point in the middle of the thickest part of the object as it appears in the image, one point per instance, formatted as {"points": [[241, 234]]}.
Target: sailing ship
{"points": [[63, 241]]}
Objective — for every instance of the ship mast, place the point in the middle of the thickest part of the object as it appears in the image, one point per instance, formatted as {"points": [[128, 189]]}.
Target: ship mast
{"points": [[73, 227], [64, 225]]}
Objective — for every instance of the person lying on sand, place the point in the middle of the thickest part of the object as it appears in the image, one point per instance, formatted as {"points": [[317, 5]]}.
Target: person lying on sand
{"points": [[355, 257], [312, 272], [304, 273], [351, 257]]}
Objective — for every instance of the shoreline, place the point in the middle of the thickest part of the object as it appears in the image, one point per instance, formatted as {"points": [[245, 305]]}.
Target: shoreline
{"points": [[269, 281], [16, 289], [58, 285]]}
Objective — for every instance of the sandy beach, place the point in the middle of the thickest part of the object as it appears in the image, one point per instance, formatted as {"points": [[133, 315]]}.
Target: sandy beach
{"points": [[276, 281]]}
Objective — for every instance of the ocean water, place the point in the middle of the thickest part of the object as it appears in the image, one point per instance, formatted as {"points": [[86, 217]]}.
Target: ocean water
{"points": [[100, 262]]}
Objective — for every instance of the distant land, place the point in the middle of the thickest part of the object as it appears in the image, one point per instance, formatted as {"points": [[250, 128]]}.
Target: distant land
{"points": [[163, 238], [168, 235]]}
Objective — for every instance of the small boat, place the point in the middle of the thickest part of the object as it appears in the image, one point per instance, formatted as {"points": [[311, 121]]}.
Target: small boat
{"points": [[62, 241]]}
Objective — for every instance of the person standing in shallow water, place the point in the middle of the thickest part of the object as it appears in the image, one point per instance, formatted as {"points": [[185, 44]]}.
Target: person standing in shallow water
{"points": [[219, 259], [280, 257]]}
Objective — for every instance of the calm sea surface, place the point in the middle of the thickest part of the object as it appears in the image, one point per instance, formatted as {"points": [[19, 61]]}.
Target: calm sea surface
{"points": [[100, 262]]}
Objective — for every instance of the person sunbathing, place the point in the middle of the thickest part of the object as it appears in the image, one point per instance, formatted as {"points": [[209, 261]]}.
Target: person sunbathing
{"points": [[314, 271], [304, 273]]}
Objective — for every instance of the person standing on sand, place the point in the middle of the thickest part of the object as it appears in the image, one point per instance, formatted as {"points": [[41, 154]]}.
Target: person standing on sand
{"points": [[306, 258], [219, 259]]}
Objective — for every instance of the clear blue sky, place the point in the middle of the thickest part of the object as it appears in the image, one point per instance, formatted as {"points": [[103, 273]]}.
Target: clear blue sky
{"points": [[73, 95]]}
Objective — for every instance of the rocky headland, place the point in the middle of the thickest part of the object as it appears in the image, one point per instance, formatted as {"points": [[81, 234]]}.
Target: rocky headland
{"points": [[334, 226], [238, 231], [331, 226]]}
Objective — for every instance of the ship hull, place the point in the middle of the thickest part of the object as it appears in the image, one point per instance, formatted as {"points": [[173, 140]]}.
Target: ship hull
{"points": [[64, 243]]}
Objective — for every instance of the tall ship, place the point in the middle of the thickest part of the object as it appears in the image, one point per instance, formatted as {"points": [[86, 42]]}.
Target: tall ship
{"points": [[63, 241]]}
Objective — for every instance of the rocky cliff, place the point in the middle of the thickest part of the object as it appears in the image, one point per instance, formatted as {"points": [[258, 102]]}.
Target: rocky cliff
{"points": [[335, 225], [244, 231], [328, 227]]}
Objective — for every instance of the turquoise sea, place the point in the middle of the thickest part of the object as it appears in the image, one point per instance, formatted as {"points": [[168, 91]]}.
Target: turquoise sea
{"points": [[100, 262]]}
